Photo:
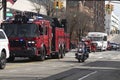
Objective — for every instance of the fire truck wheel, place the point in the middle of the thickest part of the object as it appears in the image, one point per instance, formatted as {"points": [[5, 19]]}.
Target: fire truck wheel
{"points": [[43, 53], [2, 60], [11, 59], [59, 54]]}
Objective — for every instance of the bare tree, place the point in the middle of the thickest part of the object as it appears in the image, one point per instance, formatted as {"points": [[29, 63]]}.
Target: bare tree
{"points": [[83, 22], [78, 22], [71, 20]]}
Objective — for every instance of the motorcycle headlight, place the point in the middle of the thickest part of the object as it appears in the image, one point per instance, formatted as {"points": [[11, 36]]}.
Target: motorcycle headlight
{"points": [[80, 50]]}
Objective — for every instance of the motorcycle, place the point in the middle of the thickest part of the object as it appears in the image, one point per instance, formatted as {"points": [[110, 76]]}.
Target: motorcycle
{"points": [[81, 54]]}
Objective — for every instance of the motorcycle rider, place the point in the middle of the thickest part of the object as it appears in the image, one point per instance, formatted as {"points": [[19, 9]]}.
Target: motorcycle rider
{"points": [[82, 53], [85, 52]]}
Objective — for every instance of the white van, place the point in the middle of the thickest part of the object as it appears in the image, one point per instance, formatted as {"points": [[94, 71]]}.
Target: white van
{"points": [[4, 49], [99, 38]]}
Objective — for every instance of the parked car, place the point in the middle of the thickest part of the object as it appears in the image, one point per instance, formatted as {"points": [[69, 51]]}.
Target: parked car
{"points": [[4, 49], [113, 46], [118, 46]]}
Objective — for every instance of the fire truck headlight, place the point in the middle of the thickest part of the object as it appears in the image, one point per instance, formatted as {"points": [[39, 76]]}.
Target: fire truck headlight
{"points": [[31, 43]]}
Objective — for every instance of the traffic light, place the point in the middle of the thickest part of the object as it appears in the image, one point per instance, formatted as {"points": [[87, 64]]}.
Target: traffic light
{"points": [[112, 7], [108, 6], [60, 5], [57, 5]]}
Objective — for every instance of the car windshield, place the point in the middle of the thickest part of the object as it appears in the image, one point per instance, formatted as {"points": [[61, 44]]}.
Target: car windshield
{"points": [[20, 30], [2, 36]]}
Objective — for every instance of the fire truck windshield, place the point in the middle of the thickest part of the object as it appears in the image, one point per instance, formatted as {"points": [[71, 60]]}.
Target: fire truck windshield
{"points": [[21, 30]]}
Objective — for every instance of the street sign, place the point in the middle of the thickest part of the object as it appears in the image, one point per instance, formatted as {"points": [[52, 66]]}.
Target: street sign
{"points": [[9, 14]]}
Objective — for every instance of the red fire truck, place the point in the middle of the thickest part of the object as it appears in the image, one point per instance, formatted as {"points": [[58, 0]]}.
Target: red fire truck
{"points": [[37, 39]]}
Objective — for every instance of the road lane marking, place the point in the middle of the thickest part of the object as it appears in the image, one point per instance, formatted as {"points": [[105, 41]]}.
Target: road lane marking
{"points": [[12, 71], [100, 57], [87, 75], [99, 68]]}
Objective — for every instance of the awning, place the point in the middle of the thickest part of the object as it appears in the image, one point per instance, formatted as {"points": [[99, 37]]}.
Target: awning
{"points": [[26, 5]]}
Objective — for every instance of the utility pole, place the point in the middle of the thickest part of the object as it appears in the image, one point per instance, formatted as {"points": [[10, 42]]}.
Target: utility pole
{"points": [[4, 8]]}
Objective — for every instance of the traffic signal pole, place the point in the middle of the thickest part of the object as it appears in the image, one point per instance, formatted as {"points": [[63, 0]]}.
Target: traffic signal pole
{"points": [[4, 8]]}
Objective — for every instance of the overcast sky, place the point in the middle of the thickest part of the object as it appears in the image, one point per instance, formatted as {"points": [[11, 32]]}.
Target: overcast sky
{"points": [[117, 9]]}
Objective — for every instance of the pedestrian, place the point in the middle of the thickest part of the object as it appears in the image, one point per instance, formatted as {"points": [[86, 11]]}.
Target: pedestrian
{"points": [[93, 47]]}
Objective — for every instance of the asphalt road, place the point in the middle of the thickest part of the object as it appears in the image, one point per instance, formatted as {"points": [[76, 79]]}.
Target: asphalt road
{"points": [[100, 66]]}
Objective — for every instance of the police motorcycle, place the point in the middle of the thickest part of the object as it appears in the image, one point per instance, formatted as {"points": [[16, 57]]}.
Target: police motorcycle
{"points": [[82, 53]]}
